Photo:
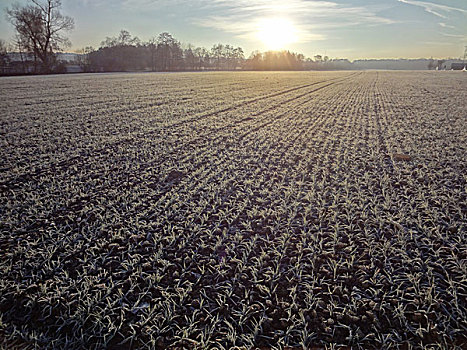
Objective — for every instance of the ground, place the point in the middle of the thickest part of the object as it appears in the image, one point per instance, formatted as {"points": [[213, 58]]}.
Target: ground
{"points": [[197, 210]]}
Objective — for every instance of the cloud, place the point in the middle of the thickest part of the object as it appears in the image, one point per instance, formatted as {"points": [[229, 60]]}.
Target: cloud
{"points": [[454, 35], [433, 8], [444, 25], [310, 17], [241, 17], [437, 43]]}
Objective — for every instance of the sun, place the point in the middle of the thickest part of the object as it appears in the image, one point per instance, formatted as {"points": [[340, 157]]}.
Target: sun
{"points": [[276, 33]]}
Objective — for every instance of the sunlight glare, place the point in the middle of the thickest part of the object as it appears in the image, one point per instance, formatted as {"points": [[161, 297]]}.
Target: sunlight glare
{"points": [[276, 33]]}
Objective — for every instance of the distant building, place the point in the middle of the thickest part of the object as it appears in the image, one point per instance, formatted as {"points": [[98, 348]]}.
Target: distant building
{"points": [[19, 63], [25, 63], [67, 57], [458, 66]]}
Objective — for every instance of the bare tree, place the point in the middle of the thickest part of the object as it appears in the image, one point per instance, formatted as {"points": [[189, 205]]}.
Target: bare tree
{"points": [[169, 51], [40, 26], [3, 47], [3, 56], [218, 52], [202, 57], [83, 58], [152, 46], [190, 59], [239, 56], [19, 46], [124, 38]]}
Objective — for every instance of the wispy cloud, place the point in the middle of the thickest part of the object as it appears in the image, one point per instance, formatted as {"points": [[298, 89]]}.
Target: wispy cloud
{"points": [[444, 25], [437, 43], [435, 9], [459, 36], [310, 17]]}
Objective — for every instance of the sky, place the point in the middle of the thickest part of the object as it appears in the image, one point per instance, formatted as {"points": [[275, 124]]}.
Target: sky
{"points": [[350, 29]]}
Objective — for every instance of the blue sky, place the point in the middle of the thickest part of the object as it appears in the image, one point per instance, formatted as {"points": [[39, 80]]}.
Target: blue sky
{"points": [[338, 28]]}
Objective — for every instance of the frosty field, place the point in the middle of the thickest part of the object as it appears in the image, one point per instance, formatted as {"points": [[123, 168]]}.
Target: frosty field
{"points": [[201, 210]]}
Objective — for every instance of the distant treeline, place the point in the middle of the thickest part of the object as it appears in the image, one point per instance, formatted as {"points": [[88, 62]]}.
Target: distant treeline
{"points": [[275, 60], [162, 53], [165, 53]]}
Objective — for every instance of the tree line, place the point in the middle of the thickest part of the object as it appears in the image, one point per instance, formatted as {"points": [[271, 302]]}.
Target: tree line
{"points": [[164, 53], [275, 60], [161, 53]]}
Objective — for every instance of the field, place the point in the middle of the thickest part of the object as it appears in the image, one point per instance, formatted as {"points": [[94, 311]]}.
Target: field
{"points": [[201, 210]]}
